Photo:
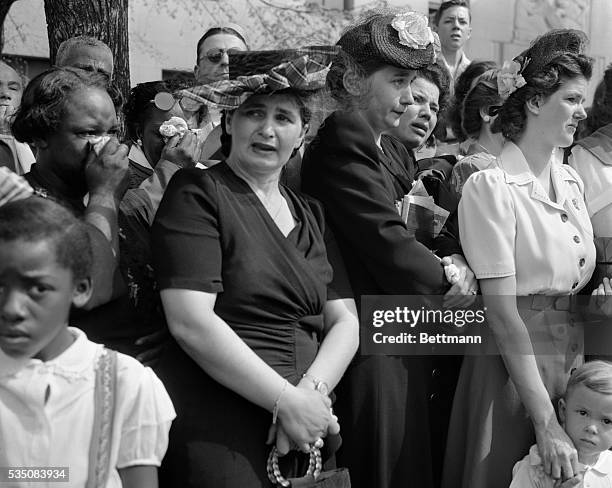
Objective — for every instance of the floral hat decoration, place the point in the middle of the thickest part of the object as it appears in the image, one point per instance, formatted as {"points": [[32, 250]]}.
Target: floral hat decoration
{"points": [[401, 39], [264, 72], [516, 73], [509, 78]]}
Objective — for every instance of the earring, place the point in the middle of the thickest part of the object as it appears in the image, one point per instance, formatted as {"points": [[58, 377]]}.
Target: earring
{"points": [[139, 142], [487, 118]]}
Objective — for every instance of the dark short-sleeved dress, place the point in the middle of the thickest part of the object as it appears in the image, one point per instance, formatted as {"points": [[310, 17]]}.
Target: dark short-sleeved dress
{"points": [[212, 234]]}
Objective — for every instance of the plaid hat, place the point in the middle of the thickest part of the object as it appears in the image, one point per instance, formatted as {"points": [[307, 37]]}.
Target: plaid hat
{"points": [[260, 72], [404, 40]]}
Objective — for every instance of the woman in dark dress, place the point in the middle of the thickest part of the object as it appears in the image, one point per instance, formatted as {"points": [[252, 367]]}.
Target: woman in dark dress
{"points": [[265, 327], [359, 173]]}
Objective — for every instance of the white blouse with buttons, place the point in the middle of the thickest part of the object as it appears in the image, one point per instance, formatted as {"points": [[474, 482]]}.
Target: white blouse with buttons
{"points": [[510, 227]]}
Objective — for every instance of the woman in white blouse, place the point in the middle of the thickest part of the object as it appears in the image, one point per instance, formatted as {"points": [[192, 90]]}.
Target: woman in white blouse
{"points": [[526, 234]]}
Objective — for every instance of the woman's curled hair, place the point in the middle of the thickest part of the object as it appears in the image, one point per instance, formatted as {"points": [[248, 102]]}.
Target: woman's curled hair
{"points": [[543, 82], [473, 91]]}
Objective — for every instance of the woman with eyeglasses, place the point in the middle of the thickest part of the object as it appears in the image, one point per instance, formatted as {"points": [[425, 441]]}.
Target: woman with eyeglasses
{"points": [[148, 106], [252, 287], [473, 111]]}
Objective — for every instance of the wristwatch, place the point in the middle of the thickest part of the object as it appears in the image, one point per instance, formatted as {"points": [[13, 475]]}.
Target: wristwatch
{"points": [[319, 384]]}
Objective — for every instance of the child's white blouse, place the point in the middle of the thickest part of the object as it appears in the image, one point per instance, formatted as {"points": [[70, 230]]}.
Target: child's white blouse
{"points": [[47, 413]]}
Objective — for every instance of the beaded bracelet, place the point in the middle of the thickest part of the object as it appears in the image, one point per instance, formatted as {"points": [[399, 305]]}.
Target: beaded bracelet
{"points": [[274, 475], [275, 409]]}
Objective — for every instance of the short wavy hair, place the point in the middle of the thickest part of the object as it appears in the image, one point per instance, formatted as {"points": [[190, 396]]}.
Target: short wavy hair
{"points": [[439, 76], [595, 375], [43, 101], [473, 91], [36, 219], [446, 5]]}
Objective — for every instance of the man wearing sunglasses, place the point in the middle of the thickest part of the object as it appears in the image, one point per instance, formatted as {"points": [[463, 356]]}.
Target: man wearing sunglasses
{"points": [[212, 52]]}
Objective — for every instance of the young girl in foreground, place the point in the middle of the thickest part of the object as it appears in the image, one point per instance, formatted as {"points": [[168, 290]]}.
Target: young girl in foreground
{"points": [[66, 401], [586, 416]]}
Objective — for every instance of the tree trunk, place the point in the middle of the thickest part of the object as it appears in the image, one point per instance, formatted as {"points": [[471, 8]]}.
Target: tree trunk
{"points": [[106, 20], [5, 6]]}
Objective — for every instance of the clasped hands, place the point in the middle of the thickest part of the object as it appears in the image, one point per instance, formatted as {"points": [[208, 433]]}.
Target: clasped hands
{"points": [[304, 418], [464, 287]]}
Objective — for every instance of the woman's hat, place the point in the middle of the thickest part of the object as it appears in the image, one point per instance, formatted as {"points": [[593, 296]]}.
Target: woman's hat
{"points": [[549, 46], [402, 39], [516, 73], [261, 72]]}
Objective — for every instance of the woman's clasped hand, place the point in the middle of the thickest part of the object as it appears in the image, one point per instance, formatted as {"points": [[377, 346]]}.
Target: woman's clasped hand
{"points": [[304, 417]]}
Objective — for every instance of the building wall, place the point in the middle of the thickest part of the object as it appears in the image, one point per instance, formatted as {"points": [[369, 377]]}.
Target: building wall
{"points": [[163, 34]]}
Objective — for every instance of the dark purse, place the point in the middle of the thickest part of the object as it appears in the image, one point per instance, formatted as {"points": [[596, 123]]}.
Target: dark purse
{"points": [[314, 478]]}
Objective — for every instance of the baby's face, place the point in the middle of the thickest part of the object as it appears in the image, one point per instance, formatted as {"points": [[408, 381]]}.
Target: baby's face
{"points": [[587, 418]]}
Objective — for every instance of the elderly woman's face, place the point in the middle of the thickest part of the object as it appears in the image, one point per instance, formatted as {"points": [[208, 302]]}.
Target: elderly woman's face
{"points": [[87, 112], [388, 97], [420, 119], [152, 141], [265, 130]]}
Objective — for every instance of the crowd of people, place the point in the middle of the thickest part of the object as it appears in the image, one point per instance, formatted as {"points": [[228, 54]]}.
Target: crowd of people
{"points": [[180, 307]]}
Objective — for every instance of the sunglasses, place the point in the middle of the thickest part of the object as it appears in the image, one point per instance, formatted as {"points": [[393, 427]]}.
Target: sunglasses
{"points": [[165, 101], [216, 55]]}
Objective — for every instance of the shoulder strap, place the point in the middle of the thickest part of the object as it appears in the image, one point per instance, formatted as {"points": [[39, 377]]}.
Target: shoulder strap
{"points": [[104, 410]]}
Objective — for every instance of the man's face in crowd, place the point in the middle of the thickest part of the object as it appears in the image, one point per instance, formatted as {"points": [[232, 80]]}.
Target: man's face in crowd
{"points": [[92, 58], [213, 60], [454, 28], [11, 87]]}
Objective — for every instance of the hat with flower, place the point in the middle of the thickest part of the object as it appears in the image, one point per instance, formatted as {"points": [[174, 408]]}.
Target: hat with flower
{"points": [[402, 39], [546, 48]]}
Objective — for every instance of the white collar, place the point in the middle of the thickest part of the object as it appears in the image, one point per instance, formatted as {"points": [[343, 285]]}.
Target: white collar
{"points": [[74, 362], [516, 171]]}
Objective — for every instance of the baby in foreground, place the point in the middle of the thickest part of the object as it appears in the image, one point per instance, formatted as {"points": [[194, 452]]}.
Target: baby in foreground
{"points": [[586, 415], [64, 400]]}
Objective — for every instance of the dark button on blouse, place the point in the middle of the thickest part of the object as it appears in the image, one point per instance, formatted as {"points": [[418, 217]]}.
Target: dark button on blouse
{"points": [[577, 239], [564, 217]]}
